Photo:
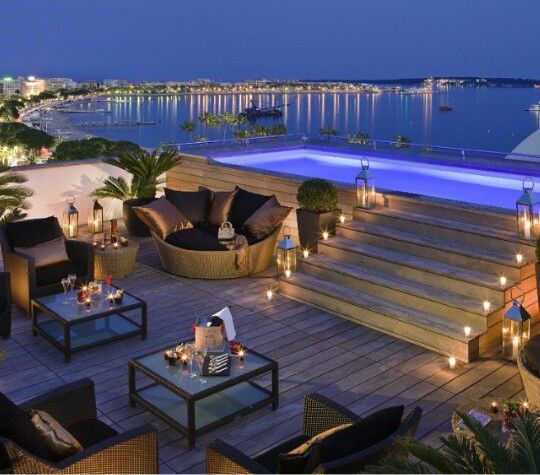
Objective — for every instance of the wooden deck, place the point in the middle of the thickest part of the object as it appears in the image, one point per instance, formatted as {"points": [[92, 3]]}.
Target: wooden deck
{"points": [[316, 351]]}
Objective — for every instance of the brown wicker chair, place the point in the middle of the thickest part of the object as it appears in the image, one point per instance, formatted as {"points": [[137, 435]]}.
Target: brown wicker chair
{"points": [[531, 383], [134, 451], [320, 414], [215, 264]]}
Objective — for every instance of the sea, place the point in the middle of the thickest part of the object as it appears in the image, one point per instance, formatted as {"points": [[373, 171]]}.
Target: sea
{"points": [[486, 118]]}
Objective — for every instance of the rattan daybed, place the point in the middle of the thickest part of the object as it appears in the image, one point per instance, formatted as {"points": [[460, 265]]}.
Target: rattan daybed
{"points": [[201, 264]]}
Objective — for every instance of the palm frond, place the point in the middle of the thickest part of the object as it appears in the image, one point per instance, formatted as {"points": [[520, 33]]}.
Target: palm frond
{"points": [[114, 187], [393, 464], [431, 456], [525, 444]]}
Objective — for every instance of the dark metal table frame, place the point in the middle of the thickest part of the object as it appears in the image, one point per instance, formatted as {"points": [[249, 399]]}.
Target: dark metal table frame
{"points": [[65, 348], [191, 432]]}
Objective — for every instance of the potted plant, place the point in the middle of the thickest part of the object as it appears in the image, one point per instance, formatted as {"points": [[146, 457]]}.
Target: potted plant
{"points": [[146, 170], [318, 212]]}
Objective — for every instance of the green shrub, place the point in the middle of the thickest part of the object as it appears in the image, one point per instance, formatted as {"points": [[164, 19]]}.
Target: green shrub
{"points": [[317, 195], [92, 148], [14, 134]]}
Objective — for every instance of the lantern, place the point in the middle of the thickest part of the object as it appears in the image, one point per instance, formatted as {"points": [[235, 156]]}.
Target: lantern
{"points": [[286, 255], [71, 219], [527, 207], [516, 328], [95, 218], [365, 186]]}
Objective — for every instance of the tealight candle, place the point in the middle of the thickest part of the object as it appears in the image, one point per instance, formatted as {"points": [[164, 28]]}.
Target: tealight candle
{"points": [[342, 218], [102, 247], [325, 235], [184, 359], [269, 294], [241, 355], [502, 280], [525, 407], [519, 258], [287, 273], [115, 245], [306, 253], [494, 407], [94, 244], [487, 305], [467, 331], [452, 362], [88, 302]]}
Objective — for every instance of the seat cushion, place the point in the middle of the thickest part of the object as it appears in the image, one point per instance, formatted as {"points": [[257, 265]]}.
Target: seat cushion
{"points": [[193, 204], [245, 204], [53, 273], [162, 217], [270, 458], [91, 432], [46, 253], [531, 355], [31, 232], [267, 218], [196, 239]]}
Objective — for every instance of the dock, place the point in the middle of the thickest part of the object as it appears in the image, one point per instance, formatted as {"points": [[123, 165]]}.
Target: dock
{"points": [[115, 123]]}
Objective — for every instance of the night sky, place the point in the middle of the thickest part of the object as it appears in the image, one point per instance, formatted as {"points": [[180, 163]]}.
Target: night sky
{"points": [[243, 39]]}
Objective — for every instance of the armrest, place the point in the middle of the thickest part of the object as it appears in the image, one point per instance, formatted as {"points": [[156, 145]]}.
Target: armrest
{"points": [[5, 291], [82, 252], [68, 404], [321, 414], [23, 277], [222, 457]]}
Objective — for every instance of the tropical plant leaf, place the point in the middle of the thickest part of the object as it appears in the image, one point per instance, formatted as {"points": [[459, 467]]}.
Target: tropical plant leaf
{"points": [[393, 464], [525, 444], [114, 187], [431, 457]]}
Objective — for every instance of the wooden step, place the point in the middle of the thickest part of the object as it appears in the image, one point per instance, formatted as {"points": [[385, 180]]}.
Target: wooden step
{"points": [[463, 255], [468, 311], [467, 234], [453, 278], [406, 323]]}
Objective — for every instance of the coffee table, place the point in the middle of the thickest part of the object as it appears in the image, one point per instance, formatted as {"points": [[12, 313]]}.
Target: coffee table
{"points": [[73, 327], [193, 407]]}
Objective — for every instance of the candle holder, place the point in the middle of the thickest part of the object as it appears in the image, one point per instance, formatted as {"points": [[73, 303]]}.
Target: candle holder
{"points": [[170, 357]]}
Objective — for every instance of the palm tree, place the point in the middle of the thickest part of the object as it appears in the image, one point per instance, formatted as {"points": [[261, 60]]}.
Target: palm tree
{"points": [[189, 127], [13, 196], [477, 452], [328, 131], [402, 141]]}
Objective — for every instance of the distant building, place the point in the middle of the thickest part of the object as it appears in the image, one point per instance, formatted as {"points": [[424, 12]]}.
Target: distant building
{"points": [[115, 83], [10, 86], [55, 84], [33, 86]]}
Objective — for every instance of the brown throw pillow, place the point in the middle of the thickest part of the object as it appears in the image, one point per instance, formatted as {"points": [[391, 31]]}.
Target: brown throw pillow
{"points": [[162, 217], [267, 218], [317, 439], [59, 442], [50, 252], [220, 205]]}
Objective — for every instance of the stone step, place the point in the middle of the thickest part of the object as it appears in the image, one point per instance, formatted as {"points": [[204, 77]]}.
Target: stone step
{"points": [[452, 278], [459, 254], [406, 323], [467, 311], [438, 228]]}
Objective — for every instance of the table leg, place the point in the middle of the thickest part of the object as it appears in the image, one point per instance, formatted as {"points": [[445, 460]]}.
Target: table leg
{"points": [[191, 423], [131, 384], [275, 387], [67, 343], [144, 320]]}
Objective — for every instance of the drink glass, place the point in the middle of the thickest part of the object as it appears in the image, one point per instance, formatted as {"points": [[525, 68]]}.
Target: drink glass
{"points": [[65, 285], [201, 356], [72, 278]]}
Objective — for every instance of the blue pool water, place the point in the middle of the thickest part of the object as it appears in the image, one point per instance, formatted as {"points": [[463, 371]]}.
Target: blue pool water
{"points": [[484, 187]]}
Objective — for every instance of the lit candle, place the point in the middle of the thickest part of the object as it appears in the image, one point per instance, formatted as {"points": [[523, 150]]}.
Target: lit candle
{"points": [[102, 247], [452, 362], [88, 302], [527, 229], [184, 359], [467, 331], [502, 280], [342, 218], [115, 245], [325, 235], [94, 244], [306, 253], [287, 273], [519, 258], [241, 355], [487, 306], [515, 347], [525, 407], [494, 407], [269, 294]]}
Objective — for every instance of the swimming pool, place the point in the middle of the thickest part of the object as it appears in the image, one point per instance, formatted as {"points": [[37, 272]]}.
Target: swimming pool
{"points": [[484, 187]]}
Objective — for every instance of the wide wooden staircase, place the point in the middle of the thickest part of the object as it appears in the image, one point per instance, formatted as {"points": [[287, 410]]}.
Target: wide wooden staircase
{"points": [[421, 272]]}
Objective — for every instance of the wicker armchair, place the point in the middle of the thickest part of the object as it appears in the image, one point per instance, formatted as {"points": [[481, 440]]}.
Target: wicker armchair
{"points": [[320, 414], [5, 305], [531, 383], [25, 275], [134, 451]]}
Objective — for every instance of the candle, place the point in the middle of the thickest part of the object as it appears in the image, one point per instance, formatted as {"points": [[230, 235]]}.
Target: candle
{"points": [[467, 331], [525, 407], [494, 407], [306, 253], [241, 355], [519, 258], [88, 302], [515, 347], [325, 235], [115, 245], [184, 359], [342, 218], [94, 244], [527, 229], [287, 273], [502, 280], [269, 294], [487, 306], [452, 362], [102, 247]]}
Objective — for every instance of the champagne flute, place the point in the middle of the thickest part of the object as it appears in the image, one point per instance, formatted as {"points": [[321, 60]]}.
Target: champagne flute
{"points": [[72, 278], [201, 357], [65, 285]]}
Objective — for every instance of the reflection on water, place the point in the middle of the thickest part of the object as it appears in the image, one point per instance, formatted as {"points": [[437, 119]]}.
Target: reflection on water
{"points": [[485, 118]]}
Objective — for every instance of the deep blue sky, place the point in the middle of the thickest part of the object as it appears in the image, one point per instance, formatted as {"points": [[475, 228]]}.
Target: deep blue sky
{"points": [[241, 39]]}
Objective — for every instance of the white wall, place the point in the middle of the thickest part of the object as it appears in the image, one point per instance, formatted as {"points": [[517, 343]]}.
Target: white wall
{"points": [[53, 183]]}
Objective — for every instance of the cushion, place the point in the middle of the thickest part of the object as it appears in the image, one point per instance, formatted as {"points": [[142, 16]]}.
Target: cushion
{"points": [[16, 425], [196, 239], [53, 273], [245, 204], [318, 438], [270, 458], [221, 203], [46, 253], [162, 217], [304, 462], [269, 216], [91, 432], [59, 442], [193, 204], [360, 435], [531, 355], [31, 232]]}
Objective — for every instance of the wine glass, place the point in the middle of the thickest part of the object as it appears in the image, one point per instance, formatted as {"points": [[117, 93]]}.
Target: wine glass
{"points": [[65, 285], [190, 351], [201, 357], [72, 278]]}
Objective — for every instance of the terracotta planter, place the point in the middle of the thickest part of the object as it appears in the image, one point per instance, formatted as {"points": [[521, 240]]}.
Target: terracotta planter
{"points": [[312, 225], [134, 225]]}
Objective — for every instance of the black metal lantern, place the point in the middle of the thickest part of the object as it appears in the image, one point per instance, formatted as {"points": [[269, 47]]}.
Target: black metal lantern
{"points": [[365, 186], [286, 255], [95, 218], [527, 208], [516, 328], [71, 219]]}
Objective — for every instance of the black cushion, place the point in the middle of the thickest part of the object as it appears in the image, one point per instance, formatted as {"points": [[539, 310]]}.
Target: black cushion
{"points": [[31, 232], [91, 432], [54, 273], [531, 355], [201, 238], [305, 462], [16, 425], [193, 204], [245, 204], [270, 458], [361, 435]]}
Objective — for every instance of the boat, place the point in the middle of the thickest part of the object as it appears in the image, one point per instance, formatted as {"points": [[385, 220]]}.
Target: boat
{"points": [[417, 90], [255, 112], [445, 108], [534, 107]]}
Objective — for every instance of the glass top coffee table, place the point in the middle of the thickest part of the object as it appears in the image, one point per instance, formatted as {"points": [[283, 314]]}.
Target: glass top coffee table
{"points": [[72, 327], [195, 405]]}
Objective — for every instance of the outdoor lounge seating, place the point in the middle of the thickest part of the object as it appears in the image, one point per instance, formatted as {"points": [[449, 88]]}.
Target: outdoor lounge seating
{"points": [[529, 369], [29, 280], [5, 305], [103, 449], [320, 415]]}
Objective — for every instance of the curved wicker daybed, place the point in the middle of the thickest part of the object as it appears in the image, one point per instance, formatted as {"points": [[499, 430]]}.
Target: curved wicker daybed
{"points": [[215, 264], [531, 383]]}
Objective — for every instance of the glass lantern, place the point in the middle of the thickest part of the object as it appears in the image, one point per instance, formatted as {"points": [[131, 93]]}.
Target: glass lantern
{"points": [[527, 211], [95, 218], [286, 255], [71, 219], [365, 186], [516, 328]]}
